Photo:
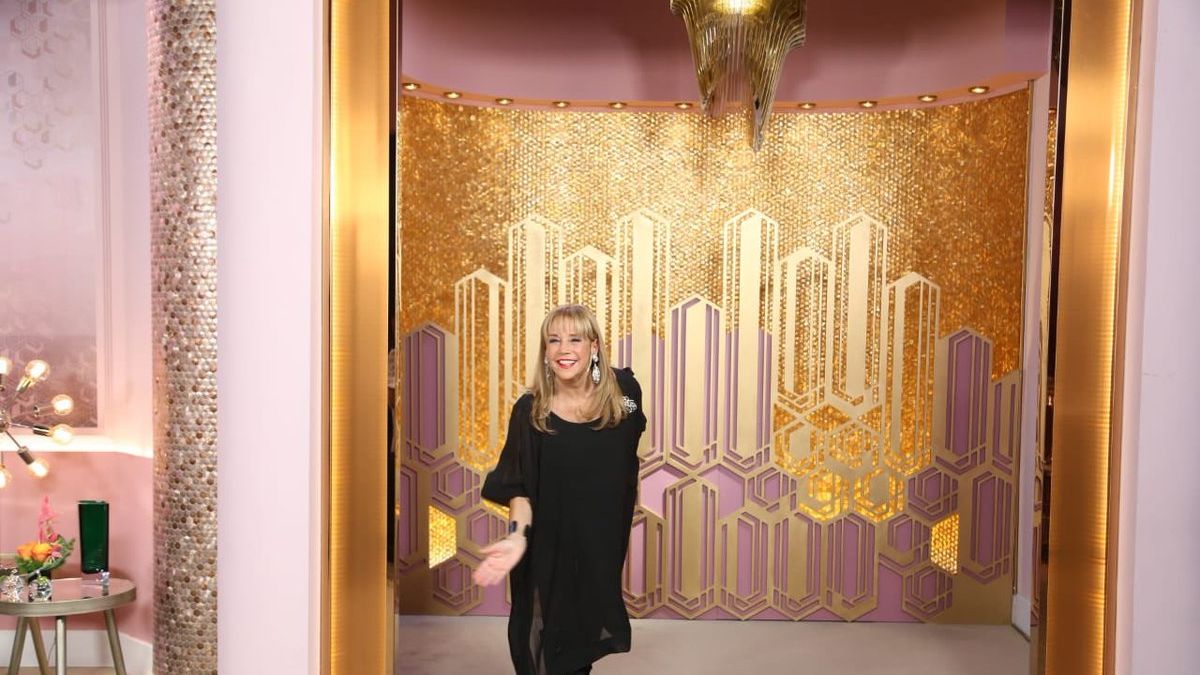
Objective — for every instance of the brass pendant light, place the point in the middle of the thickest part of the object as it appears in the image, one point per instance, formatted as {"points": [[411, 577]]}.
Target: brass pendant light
{"points": [[738, 47]]}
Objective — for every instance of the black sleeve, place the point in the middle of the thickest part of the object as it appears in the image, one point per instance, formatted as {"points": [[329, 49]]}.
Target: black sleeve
{"points": [[508, 478], [630, 388]]}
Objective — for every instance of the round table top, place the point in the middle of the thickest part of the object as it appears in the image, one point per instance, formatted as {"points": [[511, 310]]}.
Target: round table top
{"points": [[73, 596]]}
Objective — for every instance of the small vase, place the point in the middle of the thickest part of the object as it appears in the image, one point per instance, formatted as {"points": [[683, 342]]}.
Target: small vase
{"points": [[40, 587], [12, 587]]}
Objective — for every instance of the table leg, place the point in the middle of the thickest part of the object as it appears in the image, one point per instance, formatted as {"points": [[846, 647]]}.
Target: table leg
{"points": [[114, 641], [39, 647], [14, 661], [60, 645]]}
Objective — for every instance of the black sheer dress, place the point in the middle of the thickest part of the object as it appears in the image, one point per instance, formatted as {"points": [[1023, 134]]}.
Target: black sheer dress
{"points": [[567, 608]]}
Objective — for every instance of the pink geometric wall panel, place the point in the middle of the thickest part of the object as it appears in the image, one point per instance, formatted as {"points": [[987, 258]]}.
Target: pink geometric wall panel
{"points": [[423, 420], [744, 560], [692, 506], [797, 545], [645, 564], [906, 543], [850, 572], [1005, 411], [782, 487], [927, 592], [990, 550], [968, 378], [933, 494]]}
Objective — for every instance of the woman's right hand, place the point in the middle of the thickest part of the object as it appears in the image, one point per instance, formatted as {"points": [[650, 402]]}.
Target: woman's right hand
{"points": [[501, 557]]}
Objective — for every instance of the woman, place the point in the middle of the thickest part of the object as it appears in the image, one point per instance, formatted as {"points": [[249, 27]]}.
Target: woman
{"points": [[568, 475]]}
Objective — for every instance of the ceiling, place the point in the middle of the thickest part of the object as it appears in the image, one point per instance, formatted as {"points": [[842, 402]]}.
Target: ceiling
{"points": [[637, 51]]}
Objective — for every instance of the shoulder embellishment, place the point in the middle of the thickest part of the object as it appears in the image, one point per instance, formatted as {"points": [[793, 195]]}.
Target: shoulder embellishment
{"points": [[628, 404]]}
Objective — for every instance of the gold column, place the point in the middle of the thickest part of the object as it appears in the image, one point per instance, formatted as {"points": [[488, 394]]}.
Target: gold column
{"points": [[1098, 153], [182, 53], [357, 591]]}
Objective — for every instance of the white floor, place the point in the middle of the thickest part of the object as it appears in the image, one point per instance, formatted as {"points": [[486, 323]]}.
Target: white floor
{"points": [[428, 645]]}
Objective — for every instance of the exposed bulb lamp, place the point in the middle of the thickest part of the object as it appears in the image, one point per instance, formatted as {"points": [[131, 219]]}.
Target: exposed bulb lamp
{"points": [[35, 372]]}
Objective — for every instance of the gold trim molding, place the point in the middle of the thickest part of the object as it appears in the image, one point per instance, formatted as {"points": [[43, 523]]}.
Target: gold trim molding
{"points": [[1098, 151], [356, 585]]}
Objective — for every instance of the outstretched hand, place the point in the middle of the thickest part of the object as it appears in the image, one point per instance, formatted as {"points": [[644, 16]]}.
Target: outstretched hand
{"points": [[501, 557]]}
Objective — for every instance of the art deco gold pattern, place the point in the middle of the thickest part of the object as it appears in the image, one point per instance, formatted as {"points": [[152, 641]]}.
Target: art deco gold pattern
{"points": [[443, 541], [183, 240], [826, 334], [943, 543]]}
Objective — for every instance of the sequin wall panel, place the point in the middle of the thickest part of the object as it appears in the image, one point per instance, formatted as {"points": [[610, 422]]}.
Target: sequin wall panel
{"points": [[826, 333]]}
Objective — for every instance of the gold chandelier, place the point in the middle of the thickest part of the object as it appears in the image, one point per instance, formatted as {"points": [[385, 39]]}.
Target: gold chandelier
{"points": [[738, 47]]}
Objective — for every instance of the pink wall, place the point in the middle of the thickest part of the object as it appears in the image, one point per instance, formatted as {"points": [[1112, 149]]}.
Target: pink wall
{"points": [[51, 138], [269, 59], [637, 50], [121, 480], [127, 378], [122, 284], [1031, 349], [1158, 603]]}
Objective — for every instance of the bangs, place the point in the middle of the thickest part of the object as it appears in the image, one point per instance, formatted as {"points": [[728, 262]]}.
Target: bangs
{"points": [[573, 319]]}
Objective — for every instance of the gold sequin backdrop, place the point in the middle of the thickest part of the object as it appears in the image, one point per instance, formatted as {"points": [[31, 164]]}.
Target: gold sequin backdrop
{"points": [[846, 302]]}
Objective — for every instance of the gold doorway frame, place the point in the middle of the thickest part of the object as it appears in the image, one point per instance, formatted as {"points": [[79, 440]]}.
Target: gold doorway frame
{"points": [[357, 631], [1100, 112]]}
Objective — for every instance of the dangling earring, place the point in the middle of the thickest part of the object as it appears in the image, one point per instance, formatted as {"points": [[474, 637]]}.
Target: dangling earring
{"points": [[595, 368]]}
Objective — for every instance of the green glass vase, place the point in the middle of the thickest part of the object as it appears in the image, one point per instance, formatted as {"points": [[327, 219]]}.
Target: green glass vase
{"points": [[93, 537]]}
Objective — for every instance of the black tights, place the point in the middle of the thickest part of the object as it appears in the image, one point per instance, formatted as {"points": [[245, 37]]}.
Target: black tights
{"points": [[583, 671]]}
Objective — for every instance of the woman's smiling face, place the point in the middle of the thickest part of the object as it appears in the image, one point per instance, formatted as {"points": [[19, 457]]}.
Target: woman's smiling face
{"points": [[568, 350]]}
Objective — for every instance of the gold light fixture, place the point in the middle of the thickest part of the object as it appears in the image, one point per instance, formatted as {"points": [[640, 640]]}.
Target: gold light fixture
{"points": [[683, 105], [561, 104], [738, 47], [867, 104], [411, 86], [452, 95], [616, 105], [504, 101], [979, 89], [808, 105], [11, 406], [927, 98]]}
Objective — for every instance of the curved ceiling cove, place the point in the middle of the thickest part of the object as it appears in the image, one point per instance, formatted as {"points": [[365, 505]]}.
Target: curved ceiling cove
{"points": [[636, 51]]}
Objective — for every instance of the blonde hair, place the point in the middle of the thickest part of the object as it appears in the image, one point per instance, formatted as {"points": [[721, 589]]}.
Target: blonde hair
{"points": [[606, 399]]}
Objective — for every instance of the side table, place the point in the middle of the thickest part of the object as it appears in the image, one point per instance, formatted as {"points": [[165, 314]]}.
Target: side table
{"points": [[70, 598]]}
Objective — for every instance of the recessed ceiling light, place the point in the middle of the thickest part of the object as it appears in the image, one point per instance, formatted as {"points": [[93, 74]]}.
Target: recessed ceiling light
{"points": [[616, 105], [561, 104], [683, 105], [979, 89], [410, 86], [867, 104], [453, 94], [504, 101], [808, 105], [927, 98]]}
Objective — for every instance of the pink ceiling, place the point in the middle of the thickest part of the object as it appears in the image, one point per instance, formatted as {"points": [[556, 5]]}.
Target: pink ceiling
{"points": [[636, 50]]}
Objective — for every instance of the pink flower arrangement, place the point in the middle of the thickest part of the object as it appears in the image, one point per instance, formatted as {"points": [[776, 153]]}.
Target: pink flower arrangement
{"points": [[49, 550]]}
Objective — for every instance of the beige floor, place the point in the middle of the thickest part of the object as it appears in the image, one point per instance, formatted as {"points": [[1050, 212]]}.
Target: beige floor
{"points": [[71, 671], [454, 645]]}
